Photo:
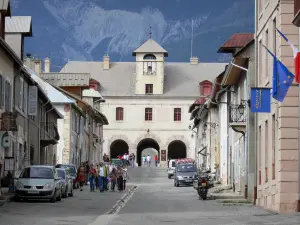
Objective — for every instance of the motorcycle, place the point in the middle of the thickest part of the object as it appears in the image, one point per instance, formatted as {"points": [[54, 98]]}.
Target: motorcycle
{"points": [[203, 184]]}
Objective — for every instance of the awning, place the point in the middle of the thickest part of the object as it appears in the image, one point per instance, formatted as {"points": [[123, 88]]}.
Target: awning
{"points": [[232, 73]]}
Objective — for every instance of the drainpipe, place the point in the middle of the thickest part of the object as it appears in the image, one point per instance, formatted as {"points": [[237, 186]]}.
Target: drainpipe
{"points": [[298, 202], [255, 115]]}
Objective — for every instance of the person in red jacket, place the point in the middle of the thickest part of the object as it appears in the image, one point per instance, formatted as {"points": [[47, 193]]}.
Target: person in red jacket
{"points": [[156, 160]]}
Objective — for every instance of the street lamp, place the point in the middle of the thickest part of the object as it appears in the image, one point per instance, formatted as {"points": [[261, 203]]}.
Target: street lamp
{"points": [[241, 109]]}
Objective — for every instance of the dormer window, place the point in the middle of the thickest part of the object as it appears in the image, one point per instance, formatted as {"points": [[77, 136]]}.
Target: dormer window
{"points": [[149, 64]]}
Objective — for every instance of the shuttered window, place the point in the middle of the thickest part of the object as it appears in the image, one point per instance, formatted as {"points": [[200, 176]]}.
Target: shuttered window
{"points": [[7, 96], [1, 92]]}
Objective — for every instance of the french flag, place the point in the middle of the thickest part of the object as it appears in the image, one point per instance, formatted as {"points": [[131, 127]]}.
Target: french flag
{"points": [[296, 54]]}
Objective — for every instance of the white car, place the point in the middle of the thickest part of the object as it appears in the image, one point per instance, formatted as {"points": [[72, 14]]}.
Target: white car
{"points": [[171, 169]]}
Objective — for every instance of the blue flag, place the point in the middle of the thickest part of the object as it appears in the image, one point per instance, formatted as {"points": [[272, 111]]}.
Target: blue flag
{"points": [[282, 79]]}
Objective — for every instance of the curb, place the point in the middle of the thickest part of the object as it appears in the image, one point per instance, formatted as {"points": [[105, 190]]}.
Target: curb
{"points": [[6, 199], [120, 203]]}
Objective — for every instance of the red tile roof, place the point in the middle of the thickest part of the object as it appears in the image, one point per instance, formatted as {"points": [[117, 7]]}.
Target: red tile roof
{"points": [[239, 40]]}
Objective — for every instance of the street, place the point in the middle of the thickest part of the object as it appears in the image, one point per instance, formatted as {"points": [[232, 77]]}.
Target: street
{"points": [[155, 201]]}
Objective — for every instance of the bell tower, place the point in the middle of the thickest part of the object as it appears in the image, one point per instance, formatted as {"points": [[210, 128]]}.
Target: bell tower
{"points": [[150, 68]]}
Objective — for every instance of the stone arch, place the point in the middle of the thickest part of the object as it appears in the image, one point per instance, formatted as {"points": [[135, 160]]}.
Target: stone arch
{"points": [[146, 141], [177, 150], [118, 147], [179, 139]]}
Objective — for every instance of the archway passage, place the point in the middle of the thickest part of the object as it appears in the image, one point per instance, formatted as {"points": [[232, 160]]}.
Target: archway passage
{"points": [[176, 150], [118, 147], [146, 144]]}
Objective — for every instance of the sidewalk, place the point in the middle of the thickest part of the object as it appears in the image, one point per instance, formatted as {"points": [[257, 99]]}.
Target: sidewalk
{"points": [[6, 196], [224, 192]]}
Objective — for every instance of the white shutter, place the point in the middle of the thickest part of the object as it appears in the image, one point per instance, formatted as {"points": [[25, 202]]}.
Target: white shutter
{"points": [[33, 101], [21, 93], [145, 67], [25, 102], [154, 67]]}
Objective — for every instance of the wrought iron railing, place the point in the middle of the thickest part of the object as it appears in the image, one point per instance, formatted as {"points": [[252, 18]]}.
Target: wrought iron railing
{"points": [[237, 113], [48, 131]]}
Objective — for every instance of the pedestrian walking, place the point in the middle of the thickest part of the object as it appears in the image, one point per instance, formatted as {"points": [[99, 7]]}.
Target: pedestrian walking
{"points": [[125, 177], [113, 179], [92, 175], [120, 178], [97, 177], [80, 176], [106, 173], [101, 177], [148, 160], [86, 171], [156, 160], [144, 160]]}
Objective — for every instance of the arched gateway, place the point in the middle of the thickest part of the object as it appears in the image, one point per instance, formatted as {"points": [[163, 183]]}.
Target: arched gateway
{"points": [[118, 147], [145, 144], [177, 149]]}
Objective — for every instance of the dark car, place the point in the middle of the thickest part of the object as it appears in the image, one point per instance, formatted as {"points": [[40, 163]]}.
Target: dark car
{"points": [[185, 174], [73, 172]]}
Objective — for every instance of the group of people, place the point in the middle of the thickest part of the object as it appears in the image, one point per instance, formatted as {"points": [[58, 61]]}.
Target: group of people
{"points": [[104, 176], [127, 159], [147, 160]]}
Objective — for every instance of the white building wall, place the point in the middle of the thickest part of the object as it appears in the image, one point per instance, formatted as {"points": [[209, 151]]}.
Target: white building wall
{"points": [[60, 127], [134, 128], [223, 126]]}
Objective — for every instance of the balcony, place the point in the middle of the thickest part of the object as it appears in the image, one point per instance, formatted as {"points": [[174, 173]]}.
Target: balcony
{"points": [[237, 118], [48, 134]]}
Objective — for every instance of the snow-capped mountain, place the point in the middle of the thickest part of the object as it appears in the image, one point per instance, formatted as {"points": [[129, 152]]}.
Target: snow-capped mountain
{"points": [[87, 29]]}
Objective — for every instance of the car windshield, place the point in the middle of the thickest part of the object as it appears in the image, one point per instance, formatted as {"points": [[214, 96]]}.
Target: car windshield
{"points": [[37, 172], [61, 174], [186, 168], [173, 164]]}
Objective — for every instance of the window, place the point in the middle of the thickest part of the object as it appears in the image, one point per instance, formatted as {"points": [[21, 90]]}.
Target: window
{"points": [[177, 114], [119, 114], [149, 89], [7, 96], [274, 37], [21, 87], [273, 147], [266, 150], [25, 98], [260, 63], [150, 57], [148, 114], [259, 155], [149, 65], [267, 54], [1, 92]]}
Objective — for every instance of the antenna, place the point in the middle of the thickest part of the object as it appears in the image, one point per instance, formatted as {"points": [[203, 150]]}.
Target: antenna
{"points": [[150, 33], [192, 38]]}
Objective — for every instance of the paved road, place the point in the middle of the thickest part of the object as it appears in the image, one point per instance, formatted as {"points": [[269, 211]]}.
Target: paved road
{"points": [[155, 201], [81, 209]]}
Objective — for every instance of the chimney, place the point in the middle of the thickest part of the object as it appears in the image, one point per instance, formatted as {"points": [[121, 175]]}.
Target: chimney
{"points": [[38, 67], [106, 62], [28, 60], [47, 65], [194, 60]]}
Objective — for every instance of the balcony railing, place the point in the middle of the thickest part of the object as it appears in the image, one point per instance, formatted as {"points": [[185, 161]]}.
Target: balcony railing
{"points": [[48, 133], [237, 113]]}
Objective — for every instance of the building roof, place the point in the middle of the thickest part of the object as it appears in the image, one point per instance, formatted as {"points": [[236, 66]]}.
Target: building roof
{"points": [[67, 79], [238, 40], [19, 24], [53, 94], [181, 79], [150, 46]]}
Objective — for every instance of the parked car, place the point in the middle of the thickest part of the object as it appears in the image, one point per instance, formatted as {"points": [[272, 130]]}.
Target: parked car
{"points": [[185, 173], [171, 169], [38, 182], [66, 182], [73, 172]]}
